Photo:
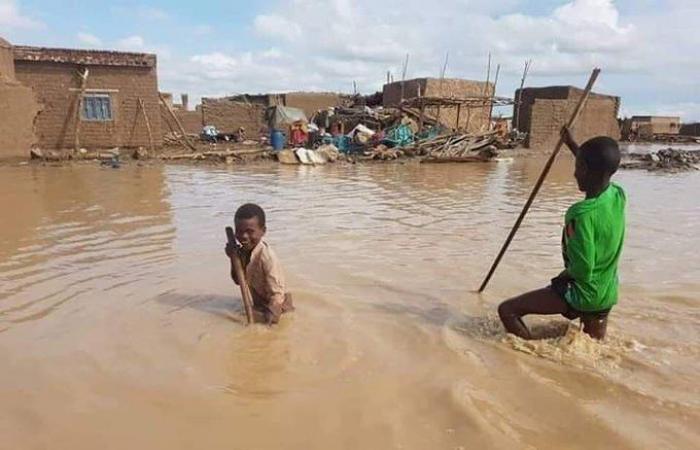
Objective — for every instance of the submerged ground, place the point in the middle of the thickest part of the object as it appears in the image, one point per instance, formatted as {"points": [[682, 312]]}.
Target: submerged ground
{"points": [[119, 327]]}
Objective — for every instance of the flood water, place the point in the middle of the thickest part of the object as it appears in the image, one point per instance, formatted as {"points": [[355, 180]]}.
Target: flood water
{"points": [[120, 327]]}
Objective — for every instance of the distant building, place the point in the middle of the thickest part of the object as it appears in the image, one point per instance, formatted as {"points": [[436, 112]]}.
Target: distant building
{"points": [[110, 113], [472, 119], [543, 111], [648, 126], [690, 129]]}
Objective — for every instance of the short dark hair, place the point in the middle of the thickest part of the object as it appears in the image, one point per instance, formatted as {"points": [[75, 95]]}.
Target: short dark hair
{"points": [[601, 154], [250, 210]]}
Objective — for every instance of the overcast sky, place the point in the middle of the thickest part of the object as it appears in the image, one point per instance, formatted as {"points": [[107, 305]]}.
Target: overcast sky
{"points": [[649, 50]]}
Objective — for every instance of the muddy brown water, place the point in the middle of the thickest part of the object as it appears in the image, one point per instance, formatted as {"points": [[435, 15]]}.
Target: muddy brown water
{"points": [[119, 327]]}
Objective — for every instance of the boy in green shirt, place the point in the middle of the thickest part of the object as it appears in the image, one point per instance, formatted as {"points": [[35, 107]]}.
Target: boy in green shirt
{"points": [[594, 230]]}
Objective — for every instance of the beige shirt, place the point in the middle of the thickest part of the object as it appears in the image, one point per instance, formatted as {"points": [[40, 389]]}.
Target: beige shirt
{"points": [[265, 276]]}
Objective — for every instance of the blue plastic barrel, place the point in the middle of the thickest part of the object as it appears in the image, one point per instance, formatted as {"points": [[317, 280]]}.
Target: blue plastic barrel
{"points": [[278, 139]]}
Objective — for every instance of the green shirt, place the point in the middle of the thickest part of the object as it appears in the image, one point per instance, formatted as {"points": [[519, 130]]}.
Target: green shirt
{"points": [[591, 245]]}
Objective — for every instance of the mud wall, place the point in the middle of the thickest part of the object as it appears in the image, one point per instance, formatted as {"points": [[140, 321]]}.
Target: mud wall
{"points": [[543, 111], [690, 129], [548, 116], [56, 85], [18, 109], [227, 115], [310, 102], [191, 121]]}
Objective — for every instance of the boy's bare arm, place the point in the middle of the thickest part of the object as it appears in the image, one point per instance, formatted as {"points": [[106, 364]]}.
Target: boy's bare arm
{"points": [[569, 140]]}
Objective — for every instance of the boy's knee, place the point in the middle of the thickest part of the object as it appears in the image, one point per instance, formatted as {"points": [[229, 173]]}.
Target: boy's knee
{"points": [[505, 310]]}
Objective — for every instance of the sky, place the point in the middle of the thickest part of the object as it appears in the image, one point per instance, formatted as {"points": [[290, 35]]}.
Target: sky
{"points": [[648, 50]]}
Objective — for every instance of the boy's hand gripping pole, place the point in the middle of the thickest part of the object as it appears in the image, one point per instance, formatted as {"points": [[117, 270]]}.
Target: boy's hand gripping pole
{"points": [[240, 274]]}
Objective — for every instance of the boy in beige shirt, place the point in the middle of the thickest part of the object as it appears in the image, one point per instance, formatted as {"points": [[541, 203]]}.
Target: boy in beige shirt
{"points": [[263, 270]]}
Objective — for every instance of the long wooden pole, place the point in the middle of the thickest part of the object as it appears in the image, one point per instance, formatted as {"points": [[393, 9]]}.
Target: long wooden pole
{"points": [[240, 275], [148, 123], [78, 120], [493, 94], [177, 122], [540, 180], [516, 125]]}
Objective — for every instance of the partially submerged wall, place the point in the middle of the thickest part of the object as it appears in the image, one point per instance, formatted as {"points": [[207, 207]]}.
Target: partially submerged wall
{"points": [[18, 109], [549, 116], [544, 111], [228, 115], [124, 77], [473, 119]]}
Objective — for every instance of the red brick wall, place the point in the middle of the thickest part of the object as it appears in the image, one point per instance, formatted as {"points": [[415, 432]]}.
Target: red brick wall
{"points": [[55, 126]]}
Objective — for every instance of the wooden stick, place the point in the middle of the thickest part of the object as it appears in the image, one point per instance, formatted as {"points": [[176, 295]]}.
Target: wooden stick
{"points": [[493, 94], [540, 180], [81, 94], [520, 95], [177, 122], [148, 123], [240, 274]]}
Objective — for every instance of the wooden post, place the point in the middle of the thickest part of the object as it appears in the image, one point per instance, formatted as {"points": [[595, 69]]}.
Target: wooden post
{"points": [[493, 94], [516, 123], [540, 180], [148, 123], [488, 76], [459, 110], [78, 120], [240, 274], [177, 122]]}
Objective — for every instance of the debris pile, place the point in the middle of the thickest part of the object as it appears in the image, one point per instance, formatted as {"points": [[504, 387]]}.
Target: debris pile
{"points": [[669, 159]]}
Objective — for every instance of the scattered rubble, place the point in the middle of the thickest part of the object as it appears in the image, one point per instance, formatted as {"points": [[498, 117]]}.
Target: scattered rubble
{"points": [[669, 159]]}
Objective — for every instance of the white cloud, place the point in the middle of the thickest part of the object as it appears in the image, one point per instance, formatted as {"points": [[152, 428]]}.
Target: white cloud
{"points": [[89, 39], [274, 26], [647, 54], [12, 18]]}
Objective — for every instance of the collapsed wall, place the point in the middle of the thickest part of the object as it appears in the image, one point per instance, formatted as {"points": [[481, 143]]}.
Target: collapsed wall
{"points": [[18, 109]]}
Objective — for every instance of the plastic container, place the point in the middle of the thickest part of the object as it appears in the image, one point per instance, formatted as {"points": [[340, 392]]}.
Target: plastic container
{"points": [[278, 139]]}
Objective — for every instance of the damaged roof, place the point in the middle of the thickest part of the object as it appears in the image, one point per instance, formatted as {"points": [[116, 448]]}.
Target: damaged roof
{"points": [[83, 57]]}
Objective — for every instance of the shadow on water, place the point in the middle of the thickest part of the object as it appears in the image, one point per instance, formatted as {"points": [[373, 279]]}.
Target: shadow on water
{"points": [[218, 305]]}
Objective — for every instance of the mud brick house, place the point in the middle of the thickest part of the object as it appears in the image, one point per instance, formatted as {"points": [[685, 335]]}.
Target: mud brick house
{"points": [[18, 108], [109, 111], [648, 126], [474, 119], [542, 111]]}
